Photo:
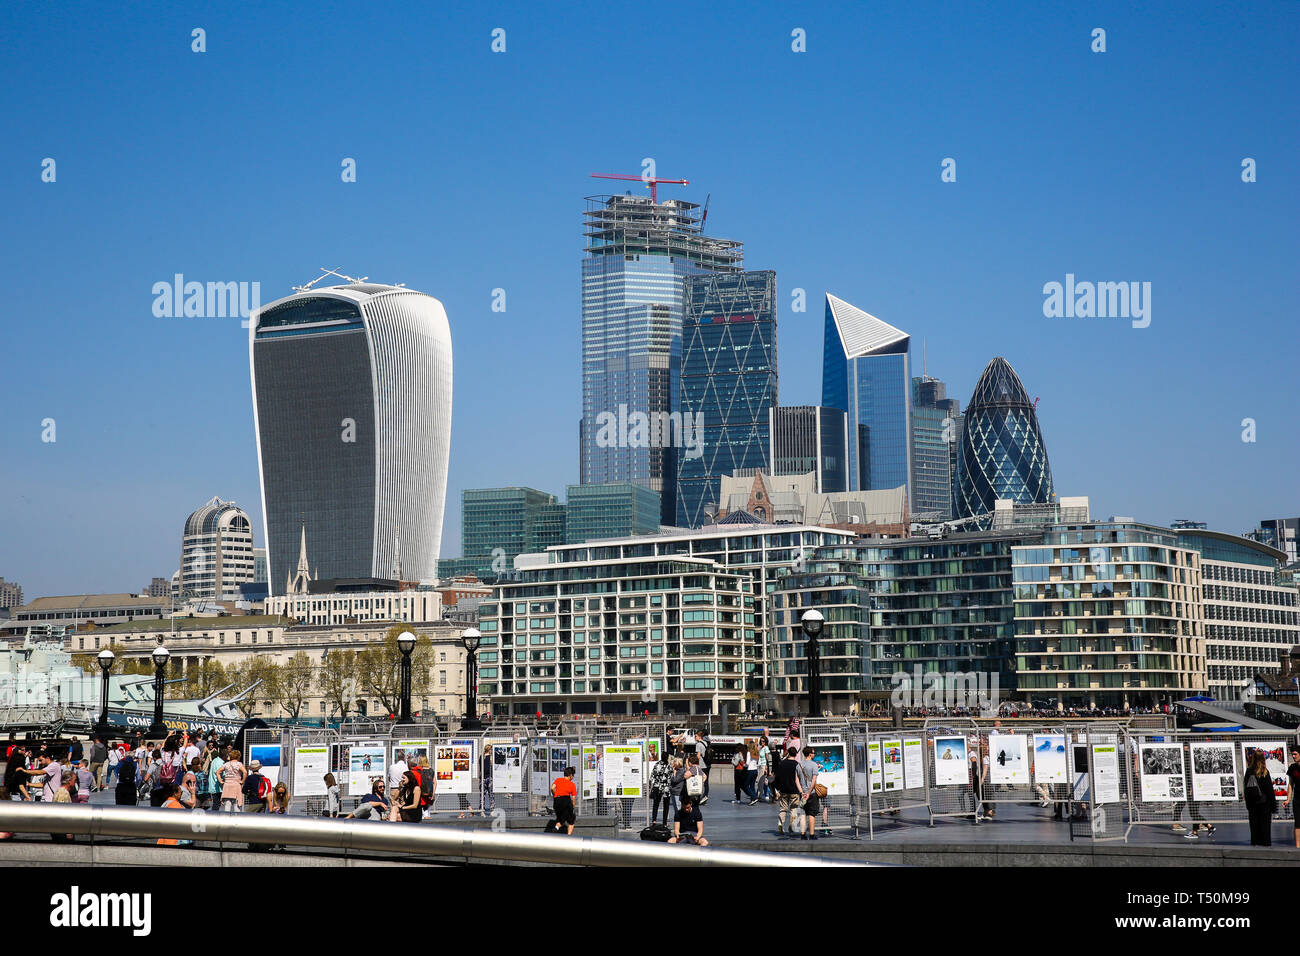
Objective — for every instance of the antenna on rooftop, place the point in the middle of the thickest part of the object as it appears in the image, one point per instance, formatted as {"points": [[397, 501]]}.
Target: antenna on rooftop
{"points": [[327, 272]]}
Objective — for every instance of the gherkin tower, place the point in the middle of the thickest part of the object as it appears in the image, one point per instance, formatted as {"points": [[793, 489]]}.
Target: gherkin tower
{"points": [[1002, 454]]}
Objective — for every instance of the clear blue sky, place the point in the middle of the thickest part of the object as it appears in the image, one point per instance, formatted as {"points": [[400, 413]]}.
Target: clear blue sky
{"points": [[472, 168]]}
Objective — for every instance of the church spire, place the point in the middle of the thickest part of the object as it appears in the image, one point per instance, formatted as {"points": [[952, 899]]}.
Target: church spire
{"points": [[298, 581]]}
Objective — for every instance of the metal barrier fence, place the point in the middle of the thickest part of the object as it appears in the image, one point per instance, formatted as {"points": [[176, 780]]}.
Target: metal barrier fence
{"points": [[1200, 773], [888, 772]]}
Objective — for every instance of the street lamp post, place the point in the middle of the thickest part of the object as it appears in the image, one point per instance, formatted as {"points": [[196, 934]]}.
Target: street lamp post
{"points": [[471, 638], [811, 622], [406, 644], [160, 656], [106, 658]]}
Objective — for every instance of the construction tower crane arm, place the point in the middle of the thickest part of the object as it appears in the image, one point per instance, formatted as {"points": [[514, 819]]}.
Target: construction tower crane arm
{"points": [[651, 182]]}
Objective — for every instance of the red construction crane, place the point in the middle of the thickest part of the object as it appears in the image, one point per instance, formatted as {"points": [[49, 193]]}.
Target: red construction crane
{"points": [[651, 183], [1035, 401]]}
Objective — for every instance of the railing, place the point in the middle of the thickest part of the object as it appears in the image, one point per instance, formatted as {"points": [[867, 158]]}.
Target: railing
{"points": [[395, 838]]}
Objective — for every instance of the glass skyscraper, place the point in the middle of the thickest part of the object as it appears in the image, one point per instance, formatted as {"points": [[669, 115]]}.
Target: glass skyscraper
{"points": [[638, 255], [934, 429], [1002, 454], [610, 510], [728, 384], [811, 438], [865, 372], [514, 520]]}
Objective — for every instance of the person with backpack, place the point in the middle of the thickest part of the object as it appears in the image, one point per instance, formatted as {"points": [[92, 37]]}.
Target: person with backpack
{"points": [[787, 790], [425, 783], [257, 789], [1261, 801]]}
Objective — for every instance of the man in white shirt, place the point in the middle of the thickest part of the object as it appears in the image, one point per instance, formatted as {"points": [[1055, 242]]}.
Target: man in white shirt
{"points": [[396, 770], [191, 753]]}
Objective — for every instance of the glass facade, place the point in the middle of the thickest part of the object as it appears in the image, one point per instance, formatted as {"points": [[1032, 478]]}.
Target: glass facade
{"points": [[514, 520], [933, 430], [728, 383], [865, 371], [638, 256], [1002, 455], [811, 438], [609, 510]]}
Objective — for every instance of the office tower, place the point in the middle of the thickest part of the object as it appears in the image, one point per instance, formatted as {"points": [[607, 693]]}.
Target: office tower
{"points": [[1280, 533], [1251, 621], [609, 510], [728, 385], [1002, 453], [502, 523], [638, 255], [933, 426], [216, 551], [811, 438], [352, 406], [865, 372], [11, 593]]}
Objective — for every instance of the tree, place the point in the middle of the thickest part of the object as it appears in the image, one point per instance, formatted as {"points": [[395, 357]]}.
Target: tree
{"points": [[205, 679], [292, 684], [89, 662], [379, 674], [244, 674], [337, 681]]}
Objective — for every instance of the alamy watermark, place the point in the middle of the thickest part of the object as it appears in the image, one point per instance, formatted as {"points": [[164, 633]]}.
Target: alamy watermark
{"points": [[973, 690], [651, 430], [212, 300], [1102, 300]]}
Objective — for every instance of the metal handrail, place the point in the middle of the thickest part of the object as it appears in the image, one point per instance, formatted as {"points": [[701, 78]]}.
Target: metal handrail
{"points": [[396, 838]]}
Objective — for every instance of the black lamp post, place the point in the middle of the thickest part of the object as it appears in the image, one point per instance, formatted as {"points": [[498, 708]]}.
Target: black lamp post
{"points": [[160, 656], [406, 644], [811, 622], [106, 658], [471, 638]]}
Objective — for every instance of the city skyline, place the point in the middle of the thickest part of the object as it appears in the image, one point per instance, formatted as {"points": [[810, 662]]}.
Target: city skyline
{"points": [[153, 415]]}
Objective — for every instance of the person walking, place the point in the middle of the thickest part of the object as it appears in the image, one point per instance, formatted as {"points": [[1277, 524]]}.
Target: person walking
{"points": [[114, 765], [752, 762], [763, 783], [738, 765], [1292, 789], [786, 783], [256, 789], [98, 758], [806, 774], [16, 776], [85, 781], [396, 770], [564, 792], [677, 783], [704, 758], [232, 776], [75, 752], [1260, 800], [661, 784]]}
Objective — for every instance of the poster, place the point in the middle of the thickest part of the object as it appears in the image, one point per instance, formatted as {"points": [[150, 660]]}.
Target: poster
{"points": [[891, 757], [1105, 770], [539, 769], [1160, 769], [1214, 773], [415, 750], [559, 760], [454, 767], [653, 748], [507, 768], [950, 768], [587, 771], [1049, 759], [859, 768], [366, 762], [914, 764], [310, 764], [828, 752], [873, 762], [623, 771], [1008, 758], [268, 755], [1274, 757]]}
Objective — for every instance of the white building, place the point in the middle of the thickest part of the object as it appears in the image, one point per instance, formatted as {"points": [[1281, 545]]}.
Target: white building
{"points": [[216, 551]]}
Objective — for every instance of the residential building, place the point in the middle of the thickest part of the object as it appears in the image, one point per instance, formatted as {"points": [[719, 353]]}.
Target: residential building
{"points": [[810, 438], [638, 255], [619, 636], [216, 551], [613, 509], [11, 594], [1002, 455], [728, 384], [352, 408], [865, 372], [158, 587]]}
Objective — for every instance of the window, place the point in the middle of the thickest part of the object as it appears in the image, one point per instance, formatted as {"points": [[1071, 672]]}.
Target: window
{"points": [[442, 678], [442, 657]]}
